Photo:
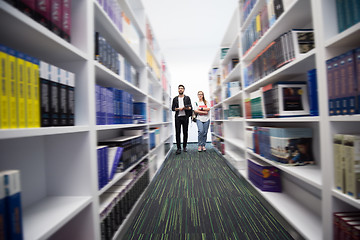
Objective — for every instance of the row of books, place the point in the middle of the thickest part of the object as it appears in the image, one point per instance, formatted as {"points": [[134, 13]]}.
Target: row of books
{"points": [[154, 137], [34, 93], [343, 77], [232, 88], [53, 14], [229, 67], [264, 176], [116, 106], [233, 111], [346, 162], [117, 154], [117, 202], [152, 64], [218, 113], [218, 143], [261, 22], [110, 58], [284, 49], [346, 225], [348, 13], [123, 23], [246, 6], [11, 226], [217, 128], [284, 145]]}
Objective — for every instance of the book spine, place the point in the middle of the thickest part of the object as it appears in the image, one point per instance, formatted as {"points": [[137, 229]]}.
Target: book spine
{"points": [[343, 86], [357, 76], [3, 208], [336, 85], [352, 159], [36, 92], [56, 16], [66, 20], [27, 7], [29, 93], [21, 97], [44, 95], [11, 70], [63, 87], [4, 89], [13, 204], [54, 95], [339, 167], [71, 86], [313, 93], [42, 12], [351, 84]]}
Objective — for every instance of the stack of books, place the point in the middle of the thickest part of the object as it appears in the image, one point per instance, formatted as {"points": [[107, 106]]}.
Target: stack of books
{"points": [[264, 176]]}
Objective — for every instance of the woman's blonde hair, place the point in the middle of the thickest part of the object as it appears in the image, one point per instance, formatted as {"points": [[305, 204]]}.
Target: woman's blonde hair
{"points": [[203, 97]]}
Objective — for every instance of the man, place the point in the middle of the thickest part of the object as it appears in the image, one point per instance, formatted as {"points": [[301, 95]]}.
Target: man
{"points": [[182, 106]]}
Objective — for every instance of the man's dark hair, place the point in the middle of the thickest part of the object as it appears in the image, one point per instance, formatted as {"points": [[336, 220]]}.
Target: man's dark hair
{"points": [[181, 86]]}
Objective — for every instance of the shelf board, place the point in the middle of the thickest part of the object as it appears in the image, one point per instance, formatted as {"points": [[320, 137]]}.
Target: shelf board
{"points": [[237, 96], [236, 142], [296, 67], [234, 119], [158, 123], [44, 218], [40, 41], [105, 77], [217, 135], [235, 74], [310, 174], [347, 38], [285, 119], [114, 37], [346, 198], [44, 131], [130, 14], [345, 118], [119, 126], [302, 219], [290, 19]]}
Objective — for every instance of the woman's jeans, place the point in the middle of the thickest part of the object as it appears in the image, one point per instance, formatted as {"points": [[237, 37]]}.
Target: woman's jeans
{"points": [[202, 131]]}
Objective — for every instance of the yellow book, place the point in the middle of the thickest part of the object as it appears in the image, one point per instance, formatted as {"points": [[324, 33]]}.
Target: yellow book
{"points": [[258, 24], [4, 92], [29, 92], [36, 94], [11, 70], [21, 95]]}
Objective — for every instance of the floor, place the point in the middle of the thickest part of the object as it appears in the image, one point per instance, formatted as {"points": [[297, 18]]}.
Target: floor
{"points": [[197, 196]]}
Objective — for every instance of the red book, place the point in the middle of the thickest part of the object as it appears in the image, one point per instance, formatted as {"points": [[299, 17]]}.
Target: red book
{"points": [[27, 7], [66, 19], [42, 12], [56, 16]]}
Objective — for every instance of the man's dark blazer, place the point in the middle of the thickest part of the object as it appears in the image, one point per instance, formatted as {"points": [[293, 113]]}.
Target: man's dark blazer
{"points": [[187, 103]]}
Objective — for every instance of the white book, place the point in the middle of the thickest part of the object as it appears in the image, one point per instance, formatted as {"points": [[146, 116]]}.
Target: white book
{"points": [[352, 164]]}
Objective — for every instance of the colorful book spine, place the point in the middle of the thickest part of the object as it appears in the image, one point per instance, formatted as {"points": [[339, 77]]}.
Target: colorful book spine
{"points": [[11, 70], [56, 16], [70, 98], [66, 20], [29, 92], [21, 91], [13, 204], [4, 89], [42, 12], [36, 92]]}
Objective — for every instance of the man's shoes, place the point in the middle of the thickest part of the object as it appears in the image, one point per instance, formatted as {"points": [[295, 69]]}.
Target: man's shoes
{"points": [[178, 151], [185, 150]]}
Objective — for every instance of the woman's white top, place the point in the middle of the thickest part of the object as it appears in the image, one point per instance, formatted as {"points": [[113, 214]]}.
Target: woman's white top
{"points": [[201, 117]]}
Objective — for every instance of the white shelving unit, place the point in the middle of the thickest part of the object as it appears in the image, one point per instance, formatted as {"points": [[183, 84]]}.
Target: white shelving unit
{"points": [[308, 199], [58, 165]]}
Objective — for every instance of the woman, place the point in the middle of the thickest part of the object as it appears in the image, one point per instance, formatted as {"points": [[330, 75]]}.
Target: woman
{"points": [[202, 120]]}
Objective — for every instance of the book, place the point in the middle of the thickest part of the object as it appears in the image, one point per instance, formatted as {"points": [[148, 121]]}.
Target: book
{"points": [[45, 93], [4, 89], [42, 12], [330, 81], [350, 77], [114, 156], [70, 76], [29, 92], [11, 70], [337, 216], [264, 176], [11, 180], [357, 67], [351, 150], [339, 167], [63, 94], [302, 41], [27, 7], [3, 208], [36, 92], [66, 20], [21, 91], [313, 92], [54, 95], [56, 17]]}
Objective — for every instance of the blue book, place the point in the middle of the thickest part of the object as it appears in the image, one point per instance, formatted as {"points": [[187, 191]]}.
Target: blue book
{"points": [[357, 63], [114, 156], [330, 84], [313, 93], [3, 228], [98, 104], [109, 106], [13, 205], [351, 84]]}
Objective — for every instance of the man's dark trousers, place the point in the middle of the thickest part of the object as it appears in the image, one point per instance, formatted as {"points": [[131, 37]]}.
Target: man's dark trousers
{"points": [[184, 122]]}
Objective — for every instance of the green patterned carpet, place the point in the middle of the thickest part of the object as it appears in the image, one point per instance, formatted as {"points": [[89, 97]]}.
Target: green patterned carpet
{"points": [[197, 196]]}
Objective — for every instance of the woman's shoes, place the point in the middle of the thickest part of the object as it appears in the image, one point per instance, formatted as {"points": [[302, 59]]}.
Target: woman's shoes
{"points": [[204, 148], [199, 149]]}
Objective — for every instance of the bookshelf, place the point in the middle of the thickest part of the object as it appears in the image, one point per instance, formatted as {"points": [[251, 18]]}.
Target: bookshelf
{"points": [[309, 198], [58, 165]]}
